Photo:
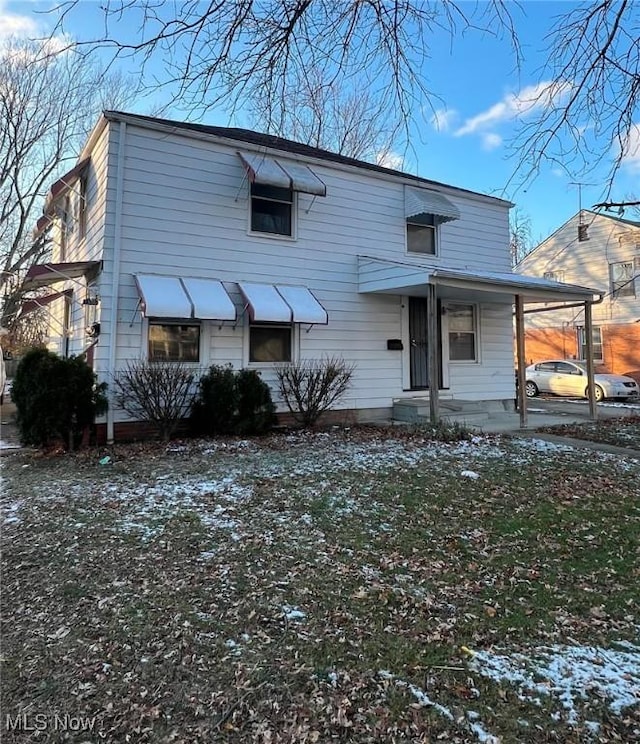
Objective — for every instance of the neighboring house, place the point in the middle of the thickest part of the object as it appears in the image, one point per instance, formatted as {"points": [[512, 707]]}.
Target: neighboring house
{"points": [[208, 245], [601, 251]]}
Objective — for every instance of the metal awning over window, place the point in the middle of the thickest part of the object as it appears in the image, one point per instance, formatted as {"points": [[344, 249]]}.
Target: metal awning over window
{"points": [[177, 297], [41, 275], [210, 299], [65, 183], [284, 174], [37, 303], [421, 201], [270, 303], [304, 306]]}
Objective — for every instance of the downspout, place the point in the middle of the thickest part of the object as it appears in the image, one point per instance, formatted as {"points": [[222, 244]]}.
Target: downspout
{"points": [[588, 332], [115, 277]]}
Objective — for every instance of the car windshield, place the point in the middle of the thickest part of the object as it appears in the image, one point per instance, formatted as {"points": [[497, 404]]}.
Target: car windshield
{"points": [[582, 365]]}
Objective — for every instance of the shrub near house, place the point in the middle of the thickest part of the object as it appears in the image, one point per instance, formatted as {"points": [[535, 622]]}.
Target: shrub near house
{"points": [[56, 398]]}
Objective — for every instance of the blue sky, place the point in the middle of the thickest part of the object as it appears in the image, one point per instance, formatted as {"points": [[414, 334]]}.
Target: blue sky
{"points": [[480, 93]]}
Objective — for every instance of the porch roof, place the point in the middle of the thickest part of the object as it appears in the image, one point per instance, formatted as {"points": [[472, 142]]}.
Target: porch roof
{"points": [[403, 278], [43, 275]]}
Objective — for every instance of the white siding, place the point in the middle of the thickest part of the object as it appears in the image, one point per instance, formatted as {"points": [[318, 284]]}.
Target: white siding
{"points": [[185, 212]]}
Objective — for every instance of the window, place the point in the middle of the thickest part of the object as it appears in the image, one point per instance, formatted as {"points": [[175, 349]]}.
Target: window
{"points": [[81, 207], [64, 216], [462, 333], [421, 234], [174, 342], [564, 368], [554, 276], [269, 343], [596, 343], [271, 209], [622, 279]]}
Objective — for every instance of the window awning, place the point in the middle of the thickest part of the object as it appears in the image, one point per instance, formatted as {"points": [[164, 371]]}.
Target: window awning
{"points": [[285, 174], [422, 201], [270, 303], [210, 299], [304, 306], [28, 306], [41, 275], [41, 225], [265, 303], [65, 183], [178, 297]]}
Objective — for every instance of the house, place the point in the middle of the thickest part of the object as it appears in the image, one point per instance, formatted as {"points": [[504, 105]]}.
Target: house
{"points": [[602, 251], [209, 245]]}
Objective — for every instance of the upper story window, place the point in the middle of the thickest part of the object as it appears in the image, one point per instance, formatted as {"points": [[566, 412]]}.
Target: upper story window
{"points": [[64, 217], [81, 207], [622, 279], [422, 234], [271, 209], [425, 211], [554, 276]]}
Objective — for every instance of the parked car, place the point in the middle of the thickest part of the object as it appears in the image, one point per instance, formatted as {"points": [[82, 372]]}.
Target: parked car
{"points": [[562, 377]]}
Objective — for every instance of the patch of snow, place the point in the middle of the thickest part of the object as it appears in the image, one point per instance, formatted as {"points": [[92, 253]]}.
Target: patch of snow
{"points": [[10, 513], [293, 613], [469, 474], [569, 673], [420, 695]]}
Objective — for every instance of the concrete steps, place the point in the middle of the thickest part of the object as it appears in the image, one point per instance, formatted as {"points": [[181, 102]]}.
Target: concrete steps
{"points": [[467, 412]]}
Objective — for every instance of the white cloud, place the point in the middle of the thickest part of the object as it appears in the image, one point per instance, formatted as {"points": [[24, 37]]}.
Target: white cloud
{"points": [[527, 101], [631, 150], [491, 140], [390, 160], [442, 119], [14, 24]]}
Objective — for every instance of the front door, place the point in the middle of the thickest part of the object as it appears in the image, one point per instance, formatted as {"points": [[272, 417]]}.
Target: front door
{"points": [[419, 344]]}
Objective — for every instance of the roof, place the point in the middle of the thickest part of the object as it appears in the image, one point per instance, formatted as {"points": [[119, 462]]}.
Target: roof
{"points": [[285, 145]]}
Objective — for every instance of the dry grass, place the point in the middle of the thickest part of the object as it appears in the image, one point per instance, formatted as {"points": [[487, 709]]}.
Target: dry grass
{"points": [[344, 586]]}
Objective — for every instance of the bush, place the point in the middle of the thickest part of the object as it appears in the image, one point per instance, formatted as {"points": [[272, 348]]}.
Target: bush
{"points": [[158, 392], [56, 398], [217, 401], [231, 402], [256, 412], [311, 387]]}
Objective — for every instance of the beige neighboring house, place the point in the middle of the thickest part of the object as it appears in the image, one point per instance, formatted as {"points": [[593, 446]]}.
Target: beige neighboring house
{"points": [[598, 250]]}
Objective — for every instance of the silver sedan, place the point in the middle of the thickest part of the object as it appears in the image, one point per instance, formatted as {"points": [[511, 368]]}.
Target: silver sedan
{"points": [[561, 377]]}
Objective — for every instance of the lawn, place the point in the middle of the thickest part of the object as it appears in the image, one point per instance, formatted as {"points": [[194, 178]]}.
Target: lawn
{"points": [[620, 432], [364, 586]]}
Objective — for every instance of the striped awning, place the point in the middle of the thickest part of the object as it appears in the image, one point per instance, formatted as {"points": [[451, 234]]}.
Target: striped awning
{"points": [[282, 173], [184, 297], [424, 202], [270, 303]]}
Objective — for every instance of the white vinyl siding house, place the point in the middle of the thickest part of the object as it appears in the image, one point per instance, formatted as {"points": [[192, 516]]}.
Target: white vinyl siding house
{"points": [[175, 202]]}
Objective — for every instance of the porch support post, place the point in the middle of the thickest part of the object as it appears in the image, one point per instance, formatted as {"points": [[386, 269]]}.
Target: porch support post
{"points": [[588, 332], [433, 351], [521, 362]]}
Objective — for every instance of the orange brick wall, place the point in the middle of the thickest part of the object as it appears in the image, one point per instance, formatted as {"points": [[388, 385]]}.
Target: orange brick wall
{"points": [[620, 347]]}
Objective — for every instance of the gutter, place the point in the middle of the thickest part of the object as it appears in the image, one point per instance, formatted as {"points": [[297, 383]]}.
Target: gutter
{"points": [[567, 307]]}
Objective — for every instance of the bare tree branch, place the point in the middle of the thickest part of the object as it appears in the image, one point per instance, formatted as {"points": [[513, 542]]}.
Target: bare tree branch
{"points": [[49, 99], [234, 53], [589, 114]]}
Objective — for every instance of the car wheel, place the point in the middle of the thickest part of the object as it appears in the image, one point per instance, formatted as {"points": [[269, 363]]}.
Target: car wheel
{"points": [[599, 394], [531, 389]]}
